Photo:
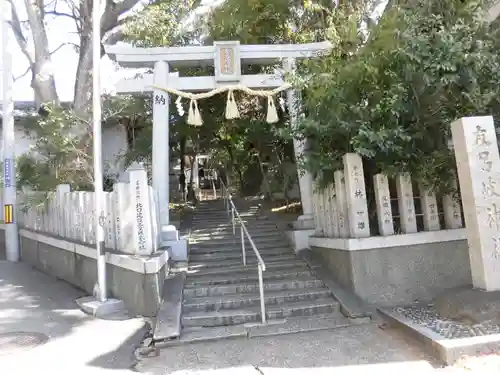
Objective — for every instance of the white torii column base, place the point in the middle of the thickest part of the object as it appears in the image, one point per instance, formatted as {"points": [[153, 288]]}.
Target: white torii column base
{"points": [[168, 234], [170, 241]]}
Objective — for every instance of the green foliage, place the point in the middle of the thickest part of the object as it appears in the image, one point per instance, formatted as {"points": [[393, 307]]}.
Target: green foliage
{"points": [[393, 98], [63, 152], [161, 24]]}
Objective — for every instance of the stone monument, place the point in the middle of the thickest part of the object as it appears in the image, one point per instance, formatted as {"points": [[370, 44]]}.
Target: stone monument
{"points": [[478, 164]]}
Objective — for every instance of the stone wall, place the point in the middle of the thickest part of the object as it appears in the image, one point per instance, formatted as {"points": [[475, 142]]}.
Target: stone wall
{"points": [[408, 244], [137, 281], [401, 270]]}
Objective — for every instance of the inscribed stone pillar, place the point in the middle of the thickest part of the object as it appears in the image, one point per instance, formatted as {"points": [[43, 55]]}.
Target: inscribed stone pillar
{"points": [[317, 211], [321, 211], [383, 203], [428, 202], [88, 201], [67, 215], [154, 218], [478, 164], [333, 211], [80, 226], [161, 150], [110, 221], [452, 210], [124, 216], [60, 191], [340, 193], [357, 207], [299, 146], [73, 197], [142, 229], [327, 213], [406, 204]]}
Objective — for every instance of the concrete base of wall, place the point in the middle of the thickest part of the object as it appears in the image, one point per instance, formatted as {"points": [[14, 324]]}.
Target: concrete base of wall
{"points": [[137, 281], [299, 239], [397, 269]]}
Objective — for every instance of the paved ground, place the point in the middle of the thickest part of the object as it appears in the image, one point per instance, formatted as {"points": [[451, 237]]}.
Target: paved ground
{"points": [[32, 301], [354, 350]]}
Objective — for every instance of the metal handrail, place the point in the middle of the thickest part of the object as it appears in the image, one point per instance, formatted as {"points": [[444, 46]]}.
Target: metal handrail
{"points": [[261, 266]]}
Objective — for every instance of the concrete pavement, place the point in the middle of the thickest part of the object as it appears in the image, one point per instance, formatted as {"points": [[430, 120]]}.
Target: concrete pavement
{"points": [[34, 302]]}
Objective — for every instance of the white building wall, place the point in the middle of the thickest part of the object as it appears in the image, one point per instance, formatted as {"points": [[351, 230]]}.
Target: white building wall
{"points": [[114, 146]]}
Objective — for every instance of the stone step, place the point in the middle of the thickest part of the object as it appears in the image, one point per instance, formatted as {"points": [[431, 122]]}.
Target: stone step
{"points": [[236, 249], [245, 276], [193, 335], [222, 213], [230, 237], [200, 270], [210, 232], [252, 287], [236, 241], [245, 300], [216, 226], [251, 260], [237, 255], [253, 314]]}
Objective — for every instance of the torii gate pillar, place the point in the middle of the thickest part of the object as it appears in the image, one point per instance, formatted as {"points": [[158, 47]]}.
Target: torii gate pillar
{"points": [[169, 236]]}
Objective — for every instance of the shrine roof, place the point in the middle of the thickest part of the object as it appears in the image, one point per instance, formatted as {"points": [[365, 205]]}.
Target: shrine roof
{"points": [[192, 56]]}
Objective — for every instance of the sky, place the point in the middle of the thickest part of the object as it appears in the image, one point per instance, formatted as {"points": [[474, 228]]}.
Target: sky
{"points": [[65, 60]]}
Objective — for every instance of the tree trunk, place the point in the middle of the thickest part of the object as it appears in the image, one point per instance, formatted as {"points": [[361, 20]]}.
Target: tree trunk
{"points": [[42, 76], [82, 101]]}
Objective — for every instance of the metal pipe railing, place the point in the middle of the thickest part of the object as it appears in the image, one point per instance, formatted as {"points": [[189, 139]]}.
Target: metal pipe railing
{"points": [[261, 266]]}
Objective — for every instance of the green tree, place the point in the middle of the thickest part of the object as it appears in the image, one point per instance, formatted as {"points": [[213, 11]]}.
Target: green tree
{"points": [[392, 99]]}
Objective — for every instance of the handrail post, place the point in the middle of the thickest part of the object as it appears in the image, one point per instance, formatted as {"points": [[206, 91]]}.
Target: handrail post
{"points": [[243, 251], [232, 220], [261, 291]]}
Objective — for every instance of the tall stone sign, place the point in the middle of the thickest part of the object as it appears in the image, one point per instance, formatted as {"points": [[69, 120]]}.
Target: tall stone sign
{"points": [[452, 210], [404, 188], [357, 206], [340, 193], [383, 202], [142, 229], [478, 164]]}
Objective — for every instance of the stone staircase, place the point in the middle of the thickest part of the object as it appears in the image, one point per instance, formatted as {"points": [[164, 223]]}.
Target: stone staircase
{"points": [[221, 296]]}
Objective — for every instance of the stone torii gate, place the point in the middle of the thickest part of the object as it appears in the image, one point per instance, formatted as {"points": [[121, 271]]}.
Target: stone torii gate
{"points": [[227, 59]]}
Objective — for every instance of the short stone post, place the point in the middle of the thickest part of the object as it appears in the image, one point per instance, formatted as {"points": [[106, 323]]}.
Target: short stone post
{"points": [[155, 233], [428, 202], [109, 227], [327, 213], [80, 210], [321, 211], [74, 206], [316, 213], [88, 228], [340, 193], [124, 211], [383, 203], [61, 223], [478, 163], [333, 211], [142, 228], [452, 210], [406, 204], [356, 196]]}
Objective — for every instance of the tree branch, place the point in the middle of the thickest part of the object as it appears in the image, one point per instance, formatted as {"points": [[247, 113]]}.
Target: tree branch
{"points": [[18, 33], [22, 75], [61, 14], [61, 46]]}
